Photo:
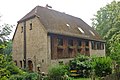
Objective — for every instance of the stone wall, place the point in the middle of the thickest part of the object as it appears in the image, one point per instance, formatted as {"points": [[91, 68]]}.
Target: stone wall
{"points": [[36, 44]]}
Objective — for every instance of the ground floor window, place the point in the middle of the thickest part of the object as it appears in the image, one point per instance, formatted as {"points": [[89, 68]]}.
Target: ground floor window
{"points": [[21, 64]]}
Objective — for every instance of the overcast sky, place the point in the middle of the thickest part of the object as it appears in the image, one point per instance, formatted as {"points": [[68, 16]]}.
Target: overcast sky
{"points": [[13, 10]]}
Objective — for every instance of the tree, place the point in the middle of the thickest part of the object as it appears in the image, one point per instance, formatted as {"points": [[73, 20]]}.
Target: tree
{"points": [[107, 23], [5, 31], [115, 47], [5, 43]]}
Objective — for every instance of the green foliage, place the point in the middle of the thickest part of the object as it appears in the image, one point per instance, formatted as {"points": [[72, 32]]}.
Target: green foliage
{"points": [[26, 76], [5, 44], [107, 24], [115, 47], [102, 66], [82, 64], [57, 71], [5, 31], [7, 67]]}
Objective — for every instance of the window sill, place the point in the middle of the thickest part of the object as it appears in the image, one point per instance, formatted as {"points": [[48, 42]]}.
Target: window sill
{"points": [[60, 47], [71, 47]]}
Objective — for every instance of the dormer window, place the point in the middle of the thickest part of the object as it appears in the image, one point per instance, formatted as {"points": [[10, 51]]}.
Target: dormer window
{"points": [[68, 25], [30, 26], [92, 32], [81, 30]]}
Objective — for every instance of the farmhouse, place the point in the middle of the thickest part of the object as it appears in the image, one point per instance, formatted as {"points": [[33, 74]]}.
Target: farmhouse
{"points": [[44, 37]]}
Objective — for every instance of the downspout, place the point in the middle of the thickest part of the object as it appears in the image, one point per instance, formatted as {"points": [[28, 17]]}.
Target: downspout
{"points": [[25, 62]]}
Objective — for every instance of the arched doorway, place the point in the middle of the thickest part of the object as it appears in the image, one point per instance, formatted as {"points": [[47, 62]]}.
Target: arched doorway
{"points": [[30, 65]]}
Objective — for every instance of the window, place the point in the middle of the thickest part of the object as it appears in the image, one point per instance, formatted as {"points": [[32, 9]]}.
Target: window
{"points": [[102, 45], [60, 41], [68, 25], [79, 42], [81, 30], [86, 43], [92, 32], [21, 29], [30, 26], [21, 64], [70, 42], [93, 45], [61, 62], [98, 45], [42, 60]]}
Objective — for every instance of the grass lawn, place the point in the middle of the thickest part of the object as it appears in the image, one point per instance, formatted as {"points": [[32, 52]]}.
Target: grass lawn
{"points": [[82, 79]]}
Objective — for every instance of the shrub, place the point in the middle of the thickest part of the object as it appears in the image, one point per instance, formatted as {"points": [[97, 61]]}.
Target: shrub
{"points": [[82, 64], [57, 71], [27, 76], [102, 66]]}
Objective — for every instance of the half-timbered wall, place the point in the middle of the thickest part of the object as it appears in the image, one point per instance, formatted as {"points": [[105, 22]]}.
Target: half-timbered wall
{"points": [[68, 47]]}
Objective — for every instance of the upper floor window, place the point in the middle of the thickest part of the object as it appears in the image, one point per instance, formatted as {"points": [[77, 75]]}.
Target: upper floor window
{"points": [[93, 45], [21, 29], [79, 42], [30, 26], [86, 43], [98, 45], [70, 42], [102, 45], [60, 41]]}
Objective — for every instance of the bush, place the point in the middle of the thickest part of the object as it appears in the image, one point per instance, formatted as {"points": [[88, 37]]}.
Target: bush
{"points": [[56, 72], [82, 64], [27, 76], [102, 66]]}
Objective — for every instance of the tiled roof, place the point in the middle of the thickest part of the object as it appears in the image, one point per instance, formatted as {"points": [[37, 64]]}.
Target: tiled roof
{"points": [[61, 23]]}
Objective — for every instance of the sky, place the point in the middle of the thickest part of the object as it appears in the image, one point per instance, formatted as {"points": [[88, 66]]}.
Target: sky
{"points": [[13, 10]]}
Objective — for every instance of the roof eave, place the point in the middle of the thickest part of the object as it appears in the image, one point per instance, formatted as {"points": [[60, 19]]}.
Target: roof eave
{"points": [[25, 19]]}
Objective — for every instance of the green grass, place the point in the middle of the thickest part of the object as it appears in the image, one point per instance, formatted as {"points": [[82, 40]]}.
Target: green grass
{"points": [[81, 79]]}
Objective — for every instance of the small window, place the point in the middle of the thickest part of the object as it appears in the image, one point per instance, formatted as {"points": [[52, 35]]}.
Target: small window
{"points": [[21, 64], [68, 25], [70, 42], [21, 29], [30, 26], [42, 60], [92, 32], [60, 41], [81, 30], [61, 62]]}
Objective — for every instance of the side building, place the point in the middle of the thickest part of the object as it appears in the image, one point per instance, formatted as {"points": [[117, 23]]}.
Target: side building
{"points": [[45, 36]]}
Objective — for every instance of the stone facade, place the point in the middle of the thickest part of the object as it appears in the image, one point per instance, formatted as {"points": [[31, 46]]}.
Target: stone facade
{"points": [[36, 44]]}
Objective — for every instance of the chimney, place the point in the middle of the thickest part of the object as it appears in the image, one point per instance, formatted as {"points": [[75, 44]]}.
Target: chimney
{"points": [[47, 6]]}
